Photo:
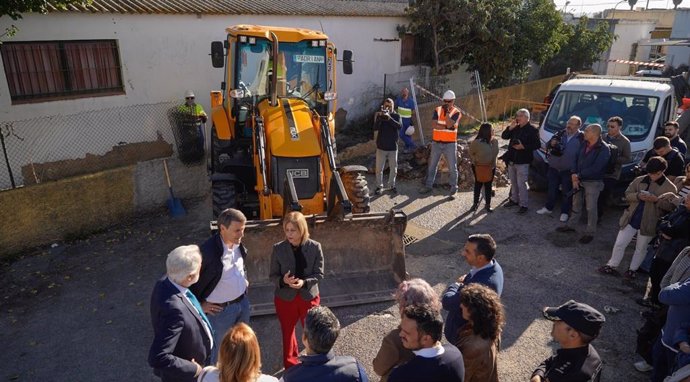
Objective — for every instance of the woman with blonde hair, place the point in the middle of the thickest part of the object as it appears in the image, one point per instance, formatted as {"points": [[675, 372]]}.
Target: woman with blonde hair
{"points": [[480, 336], [392, 352], [239, 359], [296, 269]]}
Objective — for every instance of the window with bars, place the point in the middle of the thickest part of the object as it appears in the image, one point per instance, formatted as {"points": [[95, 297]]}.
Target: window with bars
{"points": [[53, 70], [414, 51]]}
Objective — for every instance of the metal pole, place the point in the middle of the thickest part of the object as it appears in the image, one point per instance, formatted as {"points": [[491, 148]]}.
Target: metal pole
{"points": [[7, 160], [416, 111]]}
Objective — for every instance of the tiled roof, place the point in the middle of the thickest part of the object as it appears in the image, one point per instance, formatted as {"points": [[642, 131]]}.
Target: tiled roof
{"points": [[393, 8]]}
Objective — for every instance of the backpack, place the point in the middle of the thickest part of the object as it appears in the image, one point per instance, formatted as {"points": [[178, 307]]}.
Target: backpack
{"points": [[613, 158]]}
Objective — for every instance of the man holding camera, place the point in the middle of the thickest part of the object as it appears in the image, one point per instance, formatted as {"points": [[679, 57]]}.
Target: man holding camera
{"points": [[524, 139], [561, 151], [387, 124], [444, 136]]}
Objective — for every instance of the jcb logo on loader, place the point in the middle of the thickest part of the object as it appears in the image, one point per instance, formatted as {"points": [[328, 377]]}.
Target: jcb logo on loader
{"points": [[299, 172]]}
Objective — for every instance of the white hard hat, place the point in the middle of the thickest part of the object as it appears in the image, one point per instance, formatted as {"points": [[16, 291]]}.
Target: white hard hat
{"points": [[449, 95], [188, 93], [409, 131]]}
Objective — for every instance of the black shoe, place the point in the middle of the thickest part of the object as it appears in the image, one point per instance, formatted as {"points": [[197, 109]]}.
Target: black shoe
{"points": [[522, 210], [394, 190], [586, 239], [474, 206], [510, 203], [378, 191], [489, 209]]}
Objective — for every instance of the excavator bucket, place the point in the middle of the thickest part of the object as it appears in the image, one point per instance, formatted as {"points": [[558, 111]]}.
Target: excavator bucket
{"points": [[364, 258]]}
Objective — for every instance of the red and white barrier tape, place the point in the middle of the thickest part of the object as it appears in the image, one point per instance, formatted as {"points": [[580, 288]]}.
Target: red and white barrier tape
{"points": [[464, 113]]}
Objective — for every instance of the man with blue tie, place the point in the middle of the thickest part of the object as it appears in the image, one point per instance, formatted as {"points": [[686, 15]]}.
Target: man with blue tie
{"points": [[479, 253], [183, 336]]}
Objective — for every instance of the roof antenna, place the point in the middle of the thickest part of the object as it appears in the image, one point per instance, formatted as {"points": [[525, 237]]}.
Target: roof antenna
{"points": [[322, 31]]}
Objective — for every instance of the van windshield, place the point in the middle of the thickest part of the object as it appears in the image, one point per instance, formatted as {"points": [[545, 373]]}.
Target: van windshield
{"points": [[637, 111]]}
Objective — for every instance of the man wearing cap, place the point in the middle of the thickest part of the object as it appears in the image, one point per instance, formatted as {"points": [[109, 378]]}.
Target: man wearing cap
{"points": [[405, 107], [444, 136], [575, 325], [192, 108]]}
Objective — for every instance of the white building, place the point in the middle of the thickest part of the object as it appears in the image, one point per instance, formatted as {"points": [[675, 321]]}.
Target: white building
{"points": [[140, 57]]}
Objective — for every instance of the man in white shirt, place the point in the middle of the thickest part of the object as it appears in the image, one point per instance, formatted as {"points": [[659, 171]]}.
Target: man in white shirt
{"points": [[222, 285], [421, 329]]}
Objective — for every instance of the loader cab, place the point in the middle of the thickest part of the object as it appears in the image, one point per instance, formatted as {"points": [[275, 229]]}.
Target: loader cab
{"points": [[301, 71]]}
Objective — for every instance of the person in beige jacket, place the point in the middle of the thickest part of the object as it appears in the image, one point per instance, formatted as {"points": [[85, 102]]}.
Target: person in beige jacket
{"points": [[640, 217], [483, 153], [392, 353]]}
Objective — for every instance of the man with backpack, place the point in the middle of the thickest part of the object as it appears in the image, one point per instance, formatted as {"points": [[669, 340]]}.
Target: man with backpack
{"points": [[591, 162], [622, 154], [662, 147]]}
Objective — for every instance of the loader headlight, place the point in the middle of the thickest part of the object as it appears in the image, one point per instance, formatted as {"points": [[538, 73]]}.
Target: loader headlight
{"points": [[237, 93]]}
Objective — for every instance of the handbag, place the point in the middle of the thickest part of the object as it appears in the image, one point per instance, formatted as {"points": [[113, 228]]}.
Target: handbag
{"points": [[484, 173]]}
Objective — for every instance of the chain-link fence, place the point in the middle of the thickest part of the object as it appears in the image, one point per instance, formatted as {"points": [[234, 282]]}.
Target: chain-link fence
{"points": [[56, 147], [499, 104]]}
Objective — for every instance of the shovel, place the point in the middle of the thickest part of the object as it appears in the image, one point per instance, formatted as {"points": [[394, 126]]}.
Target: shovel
{"points": [[174, 204]]}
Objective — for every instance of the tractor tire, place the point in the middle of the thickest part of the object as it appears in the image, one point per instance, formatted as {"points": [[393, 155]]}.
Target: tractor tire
{"points": [[224, 196], [357, 191]]}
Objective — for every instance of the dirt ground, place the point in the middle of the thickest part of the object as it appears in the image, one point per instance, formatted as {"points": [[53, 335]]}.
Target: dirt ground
{"points": [[79, 311]]}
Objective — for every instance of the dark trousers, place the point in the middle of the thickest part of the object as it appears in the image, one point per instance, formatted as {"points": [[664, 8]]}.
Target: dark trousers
{"points": [[563, 179], [609, 184], [664, 360], [486, 186], [656, 273]]}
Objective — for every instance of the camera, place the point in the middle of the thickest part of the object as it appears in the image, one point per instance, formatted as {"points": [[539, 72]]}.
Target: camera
{"points": [[559, 147], [385, 112]]}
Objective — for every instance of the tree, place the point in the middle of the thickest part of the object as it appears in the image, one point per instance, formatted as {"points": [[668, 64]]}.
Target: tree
{"points": [[676, 3], [15, 8], [582, 49], [497, 37]]}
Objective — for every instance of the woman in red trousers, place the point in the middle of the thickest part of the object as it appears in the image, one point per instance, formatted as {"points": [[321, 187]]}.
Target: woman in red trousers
{"points": [[296, 269]]}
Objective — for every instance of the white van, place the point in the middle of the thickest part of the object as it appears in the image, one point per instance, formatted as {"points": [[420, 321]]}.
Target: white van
{"points": [[644, 103]]}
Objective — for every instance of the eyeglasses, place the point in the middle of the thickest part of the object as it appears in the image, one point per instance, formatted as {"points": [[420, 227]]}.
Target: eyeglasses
{"points": [[189, 97], [447, 101], [612, 126]]}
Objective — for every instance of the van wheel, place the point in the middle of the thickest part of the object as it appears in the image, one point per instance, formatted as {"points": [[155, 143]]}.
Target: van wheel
{"points": [[357, 191]]}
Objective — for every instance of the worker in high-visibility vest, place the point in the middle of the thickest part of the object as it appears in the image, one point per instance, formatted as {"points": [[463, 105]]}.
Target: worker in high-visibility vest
{"points": [[405, 106], [194, 115], [445, 135], [192, 108]]}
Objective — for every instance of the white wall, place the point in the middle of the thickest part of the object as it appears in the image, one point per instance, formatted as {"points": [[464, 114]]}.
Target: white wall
{"points": [[679, 55], [161, 57], [628, 33]]}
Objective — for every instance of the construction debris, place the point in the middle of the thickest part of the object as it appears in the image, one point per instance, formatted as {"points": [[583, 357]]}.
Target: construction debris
{"points": [[414, 166]]}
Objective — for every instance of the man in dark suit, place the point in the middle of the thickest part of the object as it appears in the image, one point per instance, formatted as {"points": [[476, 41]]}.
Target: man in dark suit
{"points": [[182, 334], [421, 329], [319, 363], [222, 285], [479, 253]]}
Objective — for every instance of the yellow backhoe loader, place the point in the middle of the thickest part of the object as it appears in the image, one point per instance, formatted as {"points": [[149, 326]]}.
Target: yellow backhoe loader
{"points": [[273, 151]]}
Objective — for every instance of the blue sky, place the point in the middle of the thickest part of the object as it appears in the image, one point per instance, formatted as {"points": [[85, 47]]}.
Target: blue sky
{"points": [[578, 7]]}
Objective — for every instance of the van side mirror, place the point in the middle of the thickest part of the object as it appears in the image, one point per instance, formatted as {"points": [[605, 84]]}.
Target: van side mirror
{"points": [[347, 61], [217, 54]]}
